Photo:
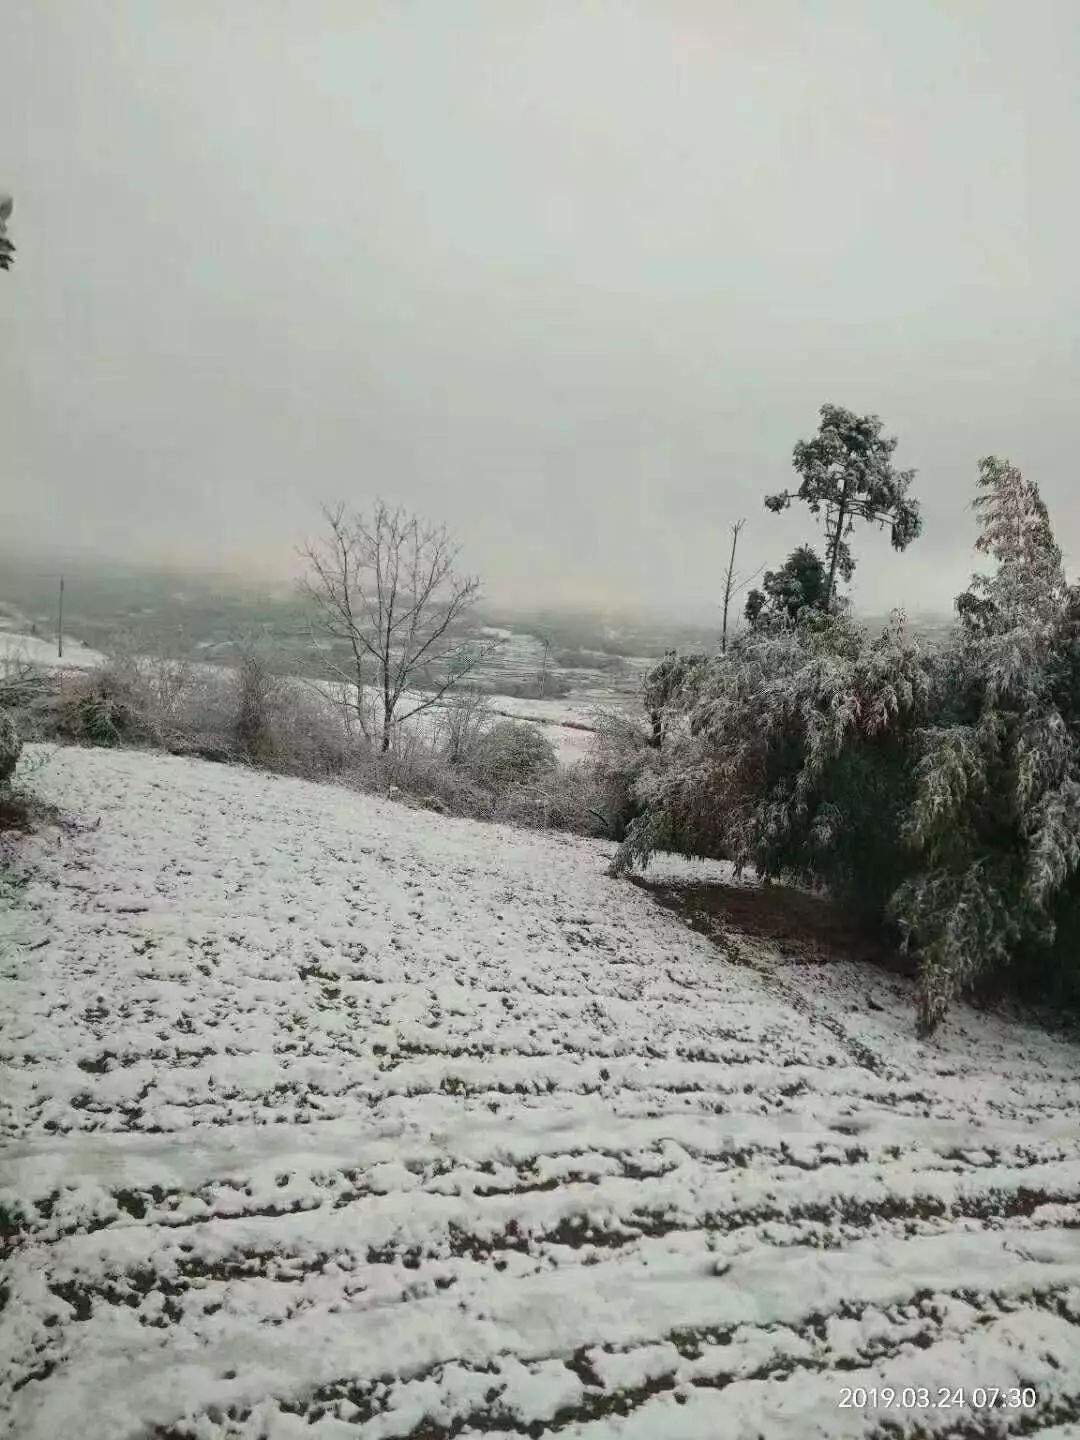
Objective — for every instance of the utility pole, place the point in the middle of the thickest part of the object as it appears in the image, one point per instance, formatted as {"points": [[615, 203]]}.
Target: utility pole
{"points": [[60, 624]]}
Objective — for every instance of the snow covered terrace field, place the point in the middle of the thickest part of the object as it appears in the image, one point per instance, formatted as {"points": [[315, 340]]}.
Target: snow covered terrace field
{"points": [[329, 1118]]}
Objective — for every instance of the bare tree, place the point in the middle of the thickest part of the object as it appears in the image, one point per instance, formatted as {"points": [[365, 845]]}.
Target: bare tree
{"points": [[541, 679], [733, 582], [384, 585]]}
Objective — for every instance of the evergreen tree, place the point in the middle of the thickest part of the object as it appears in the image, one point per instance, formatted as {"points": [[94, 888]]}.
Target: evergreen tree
{"points": [[799, 584], [792, 754], [847, 473], [996, 818], [7, 249]]}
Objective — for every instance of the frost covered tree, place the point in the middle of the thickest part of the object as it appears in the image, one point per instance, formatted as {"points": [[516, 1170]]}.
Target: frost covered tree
{"points": [[512, 752], [792, 754], [385, 589], [847, 474], [7, 249], [662, 686], [798, 585], [10, 749], [995, 822]]}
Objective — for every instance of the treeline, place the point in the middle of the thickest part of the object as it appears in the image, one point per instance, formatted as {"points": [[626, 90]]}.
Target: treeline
{"points": [[938, 792]]}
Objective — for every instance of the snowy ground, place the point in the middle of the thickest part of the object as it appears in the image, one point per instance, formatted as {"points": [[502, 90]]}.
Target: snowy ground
{"points": [[33, 650], [325, 1117], [568, 725]]}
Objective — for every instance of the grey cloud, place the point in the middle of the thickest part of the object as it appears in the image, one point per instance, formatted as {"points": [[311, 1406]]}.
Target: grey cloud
{"points": [[572, 277]]}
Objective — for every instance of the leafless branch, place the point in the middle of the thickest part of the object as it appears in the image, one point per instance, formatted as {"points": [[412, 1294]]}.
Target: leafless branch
{"points": [[385, 585]]}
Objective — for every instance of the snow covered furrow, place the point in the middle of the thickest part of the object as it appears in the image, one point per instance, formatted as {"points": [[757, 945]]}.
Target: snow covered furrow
{"points": [[885, 1299], [521, 1136], [645, 1191], [326, 1117]]}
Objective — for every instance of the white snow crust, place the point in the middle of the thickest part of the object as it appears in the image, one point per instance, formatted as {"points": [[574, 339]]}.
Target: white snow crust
{"points": [[326, 1117], [33, 650]]}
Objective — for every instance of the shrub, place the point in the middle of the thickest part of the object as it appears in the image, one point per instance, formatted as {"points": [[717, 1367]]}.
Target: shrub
{"points": [[789, 753], [512, 752], [10, 749], [562, 798], [103, 707], [458, 725], [22, 684], [255, 701], [309, 732], [415, 770], [621, 753]]}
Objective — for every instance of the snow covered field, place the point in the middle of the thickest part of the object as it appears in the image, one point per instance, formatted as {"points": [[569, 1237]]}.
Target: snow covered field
{"points": [[33, 650], [325, 1117]]}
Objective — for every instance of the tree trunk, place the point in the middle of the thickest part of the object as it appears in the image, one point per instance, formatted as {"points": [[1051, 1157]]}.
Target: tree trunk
{"points": [[838, 535], [387, 720], [729, 582]]}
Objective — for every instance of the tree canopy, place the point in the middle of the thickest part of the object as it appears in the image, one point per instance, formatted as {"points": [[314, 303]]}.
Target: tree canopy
{"points": [[847, 474], [995, 822], [799, 584], [7, 249]]}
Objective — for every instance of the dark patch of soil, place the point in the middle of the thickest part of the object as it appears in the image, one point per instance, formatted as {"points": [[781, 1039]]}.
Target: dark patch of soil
{"points": [[808, 927]]}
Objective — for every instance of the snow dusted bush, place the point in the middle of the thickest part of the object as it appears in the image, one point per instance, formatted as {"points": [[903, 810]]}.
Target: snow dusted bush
{"points": [[665, 689], [995, 822], [309, 732], [256, 700], [108, 706], [247, 713], [23, 685], [790, 753], [621, 753], [10, 749], [512, 752], [560, 798], [468, 767], [145, 699], [458, 725]]}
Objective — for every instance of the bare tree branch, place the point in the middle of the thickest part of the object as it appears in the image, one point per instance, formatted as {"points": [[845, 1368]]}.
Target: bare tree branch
{"points": [[385, 585]]}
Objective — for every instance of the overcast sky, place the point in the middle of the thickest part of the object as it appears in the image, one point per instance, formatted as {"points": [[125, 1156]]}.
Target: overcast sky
{"points": [[573, 275]]}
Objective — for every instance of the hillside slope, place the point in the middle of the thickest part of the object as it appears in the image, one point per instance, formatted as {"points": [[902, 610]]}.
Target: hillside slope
{"points": [[324, 1117]]}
